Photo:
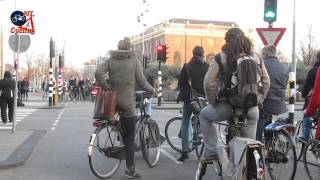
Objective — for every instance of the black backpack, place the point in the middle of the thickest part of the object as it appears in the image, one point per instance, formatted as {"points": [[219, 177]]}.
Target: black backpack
{"points": [[244, 88]]}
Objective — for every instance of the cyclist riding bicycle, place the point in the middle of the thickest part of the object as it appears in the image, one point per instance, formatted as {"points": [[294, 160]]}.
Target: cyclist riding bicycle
{"points": [[120, 72], [192, 72], [275, 102], [217, 84], [306, 93]]}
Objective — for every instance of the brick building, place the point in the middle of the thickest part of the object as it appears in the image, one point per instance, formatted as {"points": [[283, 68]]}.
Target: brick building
{"points": [[181, 36]]}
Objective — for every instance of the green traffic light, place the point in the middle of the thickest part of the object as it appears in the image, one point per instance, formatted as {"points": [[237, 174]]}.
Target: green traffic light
{"points": [[270, 14]]}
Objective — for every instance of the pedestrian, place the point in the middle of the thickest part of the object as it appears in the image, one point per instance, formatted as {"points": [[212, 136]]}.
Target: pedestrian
{"points": [[219, 84], [120, 72], [45, 88], [81, 89], [7, 85], [194, 71], [25, 88], [306, 93], [275, 102]]}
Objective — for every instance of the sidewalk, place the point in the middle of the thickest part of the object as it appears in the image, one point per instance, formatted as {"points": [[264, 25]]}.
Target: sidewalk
{"points": [[35, 102], [16, 148]]}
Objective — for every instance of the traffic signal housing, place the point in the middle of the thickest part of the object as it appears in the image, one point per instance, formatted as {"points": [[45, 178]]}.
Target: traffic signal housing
{"points": [[270, 11], [162, 53]]}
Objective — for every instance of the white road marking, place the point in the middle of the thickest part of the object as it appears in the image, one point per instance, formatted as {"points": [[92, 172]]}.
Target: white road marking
{"points": [[170, 156]]}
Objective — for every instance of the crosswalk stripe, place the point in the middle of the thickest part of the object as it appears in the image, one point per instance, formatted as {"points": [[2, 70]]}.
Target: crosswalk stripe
{"points": [[20, 115]]}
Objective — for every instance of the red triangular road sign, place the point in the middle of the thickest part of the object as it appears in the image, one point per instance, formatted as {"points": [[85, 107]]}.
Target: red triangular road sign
{"points": [[271, 36]]}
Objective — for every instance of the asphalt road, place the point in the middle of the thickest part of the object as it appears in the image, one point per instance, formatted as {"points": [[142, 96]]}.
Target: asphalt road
{"points": [[62, 153]]}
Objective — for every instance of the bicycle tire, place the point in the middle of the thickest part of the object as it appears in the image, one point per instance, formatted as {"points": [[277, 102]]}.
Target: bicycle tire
{"points": [[172, 134], [277, 153], [299, 144], [197, 139], [150, 141], [98, 146], [312, 154]]}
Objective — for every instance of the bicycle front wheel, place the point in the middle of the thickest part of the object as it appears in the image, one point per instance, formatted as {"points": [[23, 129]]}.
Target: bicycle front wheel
{"points": [[173, 134], [150, 142], [281, 158], [104, 151], [311, 159]]}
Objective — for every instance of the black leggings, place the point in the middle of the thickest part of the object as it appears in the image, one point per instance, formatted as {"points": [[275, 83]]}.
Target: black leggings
{"points": [[128, 126], [6, 102]]}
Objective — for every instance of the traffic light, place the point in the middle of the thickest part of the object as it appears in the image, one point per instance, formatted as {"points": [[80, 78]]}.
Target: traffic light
{"points": [[270, 10], [162, 53]]}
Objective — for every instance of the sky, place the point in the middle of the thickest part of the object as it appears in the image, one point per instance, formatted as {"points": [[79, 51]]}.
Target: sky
{"points": [[88, 29]]}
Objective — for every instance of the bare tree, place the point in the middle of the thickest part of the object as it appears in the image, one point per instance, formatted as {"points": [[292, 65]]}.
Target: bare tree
{"points": [[307, 51]]}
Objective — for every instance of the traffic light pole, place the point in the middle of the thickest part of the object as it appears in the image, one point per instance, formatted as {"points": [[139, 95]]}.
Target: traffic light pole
{"points": [[52, 54], [160, 84], [292, 75]]}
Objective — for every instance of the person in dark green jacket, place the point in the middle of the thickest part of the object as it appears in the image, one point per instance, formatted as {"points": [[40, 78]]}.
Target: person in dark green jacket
{"points": [[120, 72]]}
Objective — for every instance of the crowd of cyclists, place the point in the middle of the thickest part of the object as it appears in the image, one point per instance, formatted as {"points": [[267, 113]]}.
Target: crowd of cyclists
{"points": [[236, 80]]}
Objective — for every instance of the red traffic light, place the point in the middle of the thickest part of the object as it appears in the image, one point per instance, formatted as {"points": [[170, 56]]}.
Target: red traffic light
{"points": [[159, 47]]}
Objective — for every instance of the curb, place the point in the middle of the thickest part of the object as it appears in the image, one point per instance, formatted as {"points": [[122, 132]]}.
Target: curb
{"points": [[22, 153]]}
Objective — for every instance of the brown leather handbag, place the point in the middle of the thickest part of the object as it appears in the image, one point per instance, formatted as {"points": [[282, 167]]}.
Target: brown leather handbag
{"points": [[106, 105]]}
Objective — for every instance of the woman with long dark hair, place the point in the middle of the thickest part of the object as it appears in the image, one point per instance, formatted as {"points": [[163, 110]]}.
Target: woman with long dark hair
{"points": [[217, 83]]}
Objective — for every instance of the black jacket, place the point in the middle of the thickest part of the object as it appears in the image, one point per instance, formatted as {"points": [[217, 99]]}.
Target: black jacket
{"points": [[197, 69], [310, 80], [7, 87]]}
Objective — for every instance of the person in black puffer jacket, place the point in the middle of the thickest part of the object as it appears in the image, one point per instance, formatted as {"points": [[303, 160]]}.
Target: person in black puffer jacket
{"points": [[196, 69], [7, 85]]}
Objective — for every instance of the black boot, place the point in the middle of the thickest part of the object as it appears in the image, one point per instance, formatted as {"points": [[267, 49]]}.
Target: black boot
{"points": [[183, 157]]}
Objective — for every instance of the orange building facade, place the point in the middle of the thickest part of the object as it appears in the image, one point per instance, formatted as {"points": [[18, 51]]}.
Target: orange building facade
{"points": [[181, 36]]}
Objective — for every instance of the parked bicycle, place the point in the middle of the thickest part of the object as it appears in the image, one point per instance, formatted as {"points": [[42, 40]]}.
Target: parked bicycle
{"points": [[173, 136], [251, 163], [299, 133], [106, 148]]}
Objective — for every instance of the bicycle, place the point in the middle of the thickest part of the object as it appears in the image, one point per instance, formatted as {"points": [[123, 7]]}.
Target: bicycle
{"points": [[311, 157], [174, 139], [299, 132], [106, 142], [253, 149], [281, 158]]}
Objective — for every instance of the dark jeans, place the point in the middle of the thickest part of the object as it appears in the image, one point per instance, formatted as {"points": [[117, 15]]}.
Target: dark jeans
{"points": [[264, 120], [4, 103], [128, 126]]}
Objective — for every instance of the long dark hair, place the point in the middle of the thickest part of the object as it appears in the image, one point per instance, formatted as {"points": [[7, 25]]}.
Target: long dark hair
{"points": [[236, 47]]}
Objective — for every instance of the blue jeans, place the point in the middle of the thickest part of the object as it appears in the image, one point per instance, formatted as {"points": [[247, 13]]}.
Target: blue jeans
{"points": [[185, 126], [306, 127], [263, 121]]}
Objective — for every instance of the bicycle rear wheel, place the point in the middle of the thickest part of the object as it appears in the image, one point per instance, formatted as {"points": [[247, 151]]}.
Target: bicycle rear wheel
{"points": [[173, 134], [150, 142], [105, 151], [298, 131], [281, 158], [311, 158]]}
